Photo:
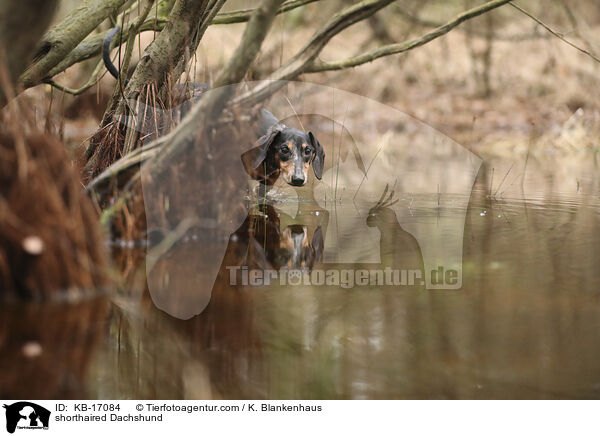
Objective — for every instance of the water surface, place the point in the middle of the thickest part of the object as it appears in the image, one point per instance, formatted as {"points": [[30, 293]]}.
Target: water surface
{"points": [[524, 324]]}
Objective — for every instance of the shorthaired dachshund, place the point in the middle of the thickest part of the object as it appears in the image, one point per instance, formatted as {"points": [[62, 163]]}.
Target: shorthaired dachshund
{"points": [[283, 151], [280, 150]]}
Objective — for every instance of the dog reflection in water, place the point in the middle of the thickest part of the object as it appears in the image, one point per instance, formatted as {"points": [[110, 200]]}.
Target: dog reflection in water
{"points": [[224, 342], [261, 243]]}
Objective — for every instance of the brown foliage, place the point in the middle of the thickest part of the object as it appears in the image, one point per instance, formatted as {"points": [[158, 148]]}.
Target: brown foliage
{"points": [[50, 239]]}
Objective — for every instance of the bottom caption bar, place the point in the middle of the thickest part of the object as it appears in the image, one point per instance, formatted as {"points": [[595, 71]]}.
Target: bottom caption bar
{"points": [[298, 417]]}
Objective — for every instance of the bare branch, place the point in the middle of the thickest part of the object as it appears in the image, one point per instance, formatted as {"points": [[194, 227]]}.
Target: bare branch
{"points": [[91, 46], [555, 33], [95, 77], [211, 13], [391, 49], [517, 37], [244, 15], [248, 49], [304, 58], [65, 36]]}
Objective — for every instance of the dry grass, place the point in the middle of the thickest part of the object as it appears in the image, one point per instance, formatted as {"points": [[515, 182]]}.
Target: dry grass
{"points": [[50, 240]]}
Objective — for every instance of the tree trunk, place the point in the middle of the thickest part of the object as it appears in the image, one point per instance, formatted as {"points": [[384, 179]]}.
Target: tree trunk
{"points": [[160, 58], [17, 46]]}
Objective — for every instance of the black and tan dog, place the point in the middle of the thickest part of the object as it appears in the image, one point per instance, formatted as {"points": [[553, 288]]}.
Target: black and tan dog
{"points": [[280, 151], [283, 151]]}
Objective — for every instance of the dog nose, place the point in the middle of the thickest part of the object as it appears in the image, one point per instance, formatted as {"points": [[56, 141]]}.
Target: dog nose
{"points": [[297, 181]]}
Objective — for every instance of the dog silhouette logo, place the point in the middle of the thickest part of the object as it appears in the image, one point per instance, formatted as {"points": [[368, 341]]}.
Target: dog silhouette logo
{"points": [[26, 415]]}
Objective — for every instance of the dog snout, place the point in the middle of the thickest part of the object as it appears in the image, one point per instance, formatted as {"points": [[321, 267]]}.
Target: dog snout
{"points": [[298, 181], [298, 177]]}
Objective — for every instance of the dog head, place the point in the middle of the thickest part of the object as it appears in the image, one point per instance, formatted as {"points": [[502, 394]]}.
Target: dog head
{"points": [[296, 250], [283, 151]]}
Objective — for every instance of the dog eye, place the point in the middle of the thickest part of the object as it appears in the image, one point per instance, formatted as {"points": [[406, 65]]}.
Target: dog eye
{"points": [[307, 150], [285, 149]]}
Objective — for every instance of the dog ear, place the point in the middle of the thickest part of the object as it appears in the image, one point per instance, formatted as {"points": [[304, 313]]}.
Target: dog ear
{"points": [[319, 159], [268, 120], [253, 158]]}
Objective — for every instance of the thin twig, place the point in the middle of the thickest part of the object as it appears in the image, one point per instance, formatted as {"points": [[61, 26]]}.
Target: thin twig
{"points": [[517, 37], [305, 57], [365, 176], [502, 181], [96, 76], [295, 113], [392, 49], [555, 33], [244, 15]]}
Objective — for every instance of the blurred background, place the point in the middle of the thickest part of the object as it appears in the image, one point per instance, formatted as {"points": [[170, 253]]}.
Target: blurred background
{"points": [[492, 83]]}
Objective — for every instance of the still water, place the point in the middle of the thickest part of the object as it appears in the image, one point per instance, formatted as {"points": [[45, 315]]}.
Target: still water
{"points": [[524, 323]]}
